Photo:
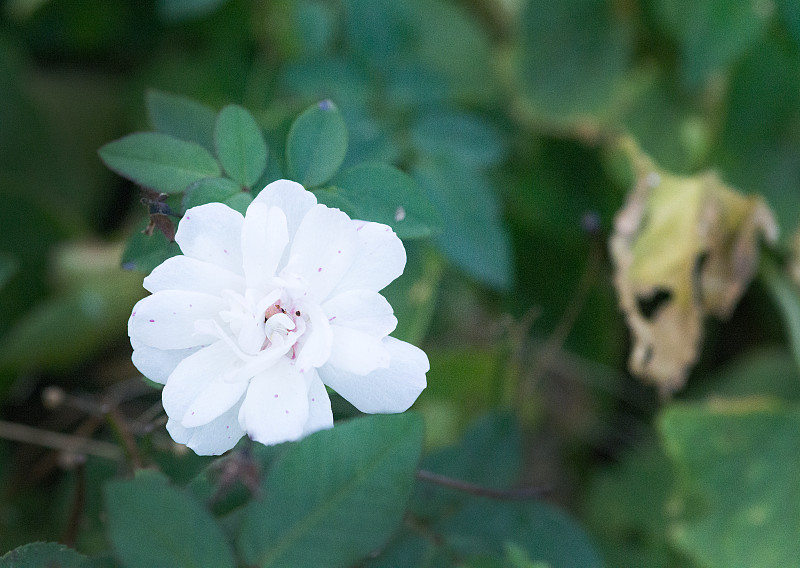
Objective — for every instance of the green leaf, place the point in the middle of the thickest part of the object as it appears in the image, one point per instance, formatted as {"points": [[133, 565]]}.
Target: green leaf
{"points": [[462, 137], [144, 252], [483, 528], [413, 295], [8, 268], [474, 237], [152, 524], [240, 145], [240, 202], [335, 496], [183, 10], [574, 54], [43, 555], [384, 194], [181, 117], [739, 497], [316, 144], [159, 161], [209, 190], [711, 33]]}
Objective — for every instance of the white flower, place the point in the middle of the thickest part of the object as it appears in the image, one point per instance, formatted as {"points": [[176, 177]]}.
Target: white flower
{"points": [[260, 312]]}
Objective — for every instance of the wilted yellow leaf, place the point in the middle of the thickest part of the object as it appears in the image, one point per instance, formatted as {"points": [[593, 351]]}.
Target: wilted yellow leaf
{"points": [[683, 247]]}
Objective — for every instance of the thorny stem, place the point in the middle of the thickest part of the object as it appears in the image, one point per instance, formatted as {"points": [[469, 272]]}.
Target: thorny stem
{"points": [[518, 494]]}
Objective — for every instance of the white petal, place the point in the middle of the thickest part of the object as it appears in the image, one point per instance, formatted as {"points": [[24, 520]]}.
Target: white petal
{"points": [[384, 390], [320, 416], [291, 198], [275, 408], [356, 352], [186, 273], [381, 258], [215, 399], [314, 347], [194, 374], [323, 250], [157, 364], [166, 319], [363, 310], [212, 439], [212, 233], [264, 239]]}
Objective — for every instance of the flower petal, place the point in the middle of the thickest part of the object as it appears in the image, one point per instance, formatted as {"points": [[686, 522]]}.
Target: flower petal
{"points": [[212, 439], [385, 390], [264, 239], [363, 310], [275, 408], [314, 347], [291, 198], [166, 319], [356, 352], [157, 364], [212, 233], [186, 273], [320, 416], [324, 247], [381, 258], [215, 399], [194, 374]]}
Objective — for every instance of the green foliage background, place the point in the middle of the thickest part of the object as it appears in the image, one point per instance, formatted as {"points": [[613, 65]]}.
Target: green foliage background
{"points": [[493, 123]]}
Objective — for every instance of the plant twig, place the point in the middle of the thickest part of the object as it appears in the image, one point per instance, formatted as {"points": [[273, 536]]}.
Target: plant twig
{"points": [[518, 494], [59, 441]]}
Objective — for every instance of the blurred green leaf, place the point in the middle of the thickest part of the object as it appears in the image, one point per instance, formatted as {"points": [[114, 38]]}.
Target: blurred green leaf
{"points": [[152, 524], [379, 31], [483, 527], [182, 10], [474, 237], [738, 493], [629, 534], [94, 310], [383, 194], [413, 295], [181, 117], [8, 267], [335, 496], [240, 145], [316, 144], [43, 555], [465, 138], [573, 55], [144, 252], [785, 294], [209, 190], [711, 33], [159, 161]]}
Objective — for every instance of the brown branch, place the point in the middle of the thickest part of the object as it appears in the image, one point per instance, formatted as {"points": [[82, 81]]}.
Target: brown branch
{"points": [[58, 441], [520, 493]]}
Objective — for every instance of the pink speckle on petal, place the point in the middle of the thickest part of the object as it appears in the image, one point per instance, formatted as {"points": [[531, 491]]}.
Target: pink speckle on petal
{"points": [[313, 400], [225, 251], [340, 252], [276, 396], [287, 412], [319, 269], [332, 318], [152, 321], [187, 218], [134, 313]]}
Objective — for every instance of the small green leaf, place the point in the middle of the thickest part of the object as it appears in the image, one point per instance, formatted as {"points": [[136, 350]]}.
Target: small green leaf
{"points": [[181, 117], [384, 194], [240, 202], [43, 555], [316, 144], [209, 190], [739, 496], [240, 145], [152, 524], [159, 161], [335, 496]]}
